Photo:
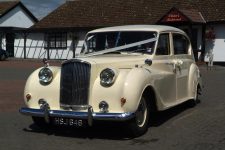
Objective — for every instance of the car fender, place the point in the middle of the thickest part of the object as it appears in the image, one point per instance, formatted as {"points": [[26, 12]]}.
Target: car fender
{"points": [[49, 92], [136, 82], [194, 80], [129, 85]]}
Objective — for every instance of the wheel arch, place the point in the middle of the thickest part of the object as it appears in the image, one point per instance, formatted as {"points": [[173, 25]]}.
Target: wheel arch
{"points": [[195, 80], [150, 96]]}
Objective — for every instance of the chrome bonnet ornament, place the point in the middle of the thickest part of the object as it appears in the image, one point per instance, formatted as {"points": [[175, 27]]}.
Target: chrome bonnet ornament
{"points": [[45, 61]]}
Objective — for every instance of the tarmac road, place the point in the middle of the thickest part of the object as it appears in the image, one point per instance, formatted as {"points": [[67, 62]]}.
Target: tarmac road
{"points": [[180, 128]]}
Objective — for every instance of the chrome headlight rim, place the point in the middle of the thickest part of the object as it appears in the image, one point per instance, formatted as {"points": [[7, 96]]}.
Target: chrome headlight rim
{"points": [[45, 76], [107, 77]]}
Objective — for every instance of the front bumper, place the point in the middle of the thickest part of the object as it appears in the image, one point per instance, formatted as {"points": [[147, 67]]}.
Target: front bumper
{"points": [[89, 115]]}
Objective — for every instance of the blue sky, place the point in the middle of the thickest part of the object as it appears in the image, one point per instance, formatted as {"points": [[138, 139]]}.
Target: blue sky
{"points": [[41, 8]]}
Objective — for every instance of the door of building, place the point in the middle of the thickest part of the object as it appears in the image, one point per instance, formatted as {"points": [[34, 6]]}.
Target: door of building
{"points": [[193, 35], [10, 38]]}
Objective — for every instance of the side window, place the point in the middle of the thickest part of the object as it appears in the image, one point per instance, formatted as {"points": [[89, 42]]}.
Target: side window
{"points": [[180, 44], [163, 47], [92, 44]]}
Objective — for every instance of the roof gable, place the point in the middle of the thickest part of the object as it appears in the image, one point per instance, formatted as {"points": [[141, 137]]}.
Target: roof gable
{"points": [[174, 15], [182, 15], [7, 6]]}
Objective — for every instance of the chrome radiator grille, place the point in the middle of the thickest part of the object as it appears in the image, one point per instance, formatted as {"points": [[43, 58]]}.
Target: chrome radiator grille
{"points": [[74, 86]]}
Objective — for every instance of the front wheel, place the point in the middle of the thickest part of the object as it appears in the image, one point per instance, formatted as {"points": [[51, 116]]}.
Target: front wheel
{"points": [[139, 124], [196, 100]]}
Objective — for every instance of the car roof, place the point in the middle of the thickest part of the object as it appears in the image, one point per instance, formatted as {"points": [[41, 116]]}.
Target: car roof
{"points": [[156, 28]]}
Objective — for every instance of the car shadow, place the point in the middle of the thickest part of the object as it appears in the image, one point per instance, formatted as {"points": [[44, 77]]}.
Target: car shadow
{"points": [[158, 118], [107, 130], [99, 130]]}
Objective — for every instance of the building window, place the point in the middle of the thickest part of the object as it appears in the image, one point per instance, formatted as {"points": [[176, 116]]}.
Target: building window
{"points": [[56, 40]]}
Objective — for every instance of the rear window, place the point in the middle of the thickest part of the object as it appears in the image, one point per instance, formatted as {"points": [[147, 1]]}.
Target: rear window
{"points": [[181, 44]]}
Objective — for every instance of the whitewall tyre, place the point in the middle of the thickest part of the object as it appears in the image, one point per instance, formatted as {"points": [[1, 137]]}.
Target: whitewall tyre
{"points": [[139, 124]]}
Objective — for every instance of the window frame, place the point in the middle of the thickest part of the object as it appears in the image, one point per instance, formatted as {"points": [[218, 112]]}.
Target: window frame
{"points": [[55, 40], [169, 42], [188, 43]]}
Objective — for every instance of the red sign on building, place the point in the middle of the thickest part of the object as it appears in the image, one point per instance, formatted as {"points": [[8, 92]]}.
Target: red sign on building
{"points": [[174, 16]]}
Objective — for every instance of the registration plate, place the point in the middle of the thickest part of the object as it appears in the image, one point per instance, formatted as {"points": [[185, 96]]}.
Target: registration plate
{"points": [[68, 122]]}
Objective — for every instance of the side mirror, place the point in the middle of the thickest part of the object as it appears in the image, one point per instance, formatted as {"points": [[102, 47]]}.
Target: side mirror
{"points": [[148, 62]]}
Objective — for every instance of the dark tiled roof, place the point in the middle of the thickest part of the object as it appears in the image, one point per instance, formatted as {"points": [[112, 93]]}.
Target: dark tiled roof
{"points": [[7, 5], [100, 13], [193, 14], [211, 10]]}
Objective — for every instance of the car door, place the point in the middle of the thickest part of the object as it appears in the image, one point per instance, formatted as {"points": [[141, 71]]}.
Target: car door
{"points": [[183, 60], [163, 61]]}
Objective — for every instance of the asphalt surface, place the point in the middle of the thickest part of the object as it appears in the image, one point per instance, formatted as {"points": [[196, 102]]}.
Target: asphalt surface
{"points": [[180, 128]]}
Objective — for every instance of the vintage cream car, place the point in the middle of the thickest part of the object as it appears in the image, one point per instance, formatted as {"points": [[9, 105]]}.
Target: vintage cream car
{"points": [[123, 74]]}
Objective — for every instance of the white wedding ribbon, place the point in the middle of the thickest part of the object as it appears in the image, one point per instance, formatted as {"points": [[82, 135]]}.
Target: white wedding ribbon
{"points": [[119, 47]]}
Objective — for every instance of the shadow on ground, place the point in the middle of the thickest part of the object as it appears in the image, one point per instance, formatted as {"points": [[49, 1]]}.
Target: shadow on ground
{"points": [[107, 130], [161, 117]]}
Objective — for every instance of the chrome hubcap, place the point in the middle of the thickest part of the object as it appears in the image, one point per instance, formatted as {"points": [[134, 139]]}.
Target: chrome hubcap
{"points": [[141, 113]]}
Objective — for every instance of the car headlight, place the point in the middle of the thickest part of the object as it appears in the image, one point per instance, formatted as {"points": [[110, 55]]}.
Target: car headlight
{"points": [[45, 76], [107, 77]]}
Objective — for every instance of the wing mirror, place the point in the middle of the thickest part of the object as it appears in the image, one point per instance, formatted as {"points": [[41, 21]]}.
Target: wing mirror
{"points": [[148, 62]]}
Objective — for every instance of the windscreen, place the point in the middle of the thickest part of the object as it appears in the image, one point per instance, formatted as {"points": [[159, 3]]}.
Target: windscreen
{"points": [[108, 42]]}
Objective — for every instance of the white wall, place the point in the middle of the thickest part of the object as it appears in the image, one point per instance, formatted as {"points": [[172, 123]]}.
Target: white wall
{"points": [[35, 47], [217, 46], [16, 18]]}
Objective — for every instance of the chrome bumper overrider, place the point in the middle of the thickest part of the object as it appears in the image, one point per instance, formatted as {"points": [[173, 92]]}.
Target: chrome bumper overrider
{"points": [[89, 115]]}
